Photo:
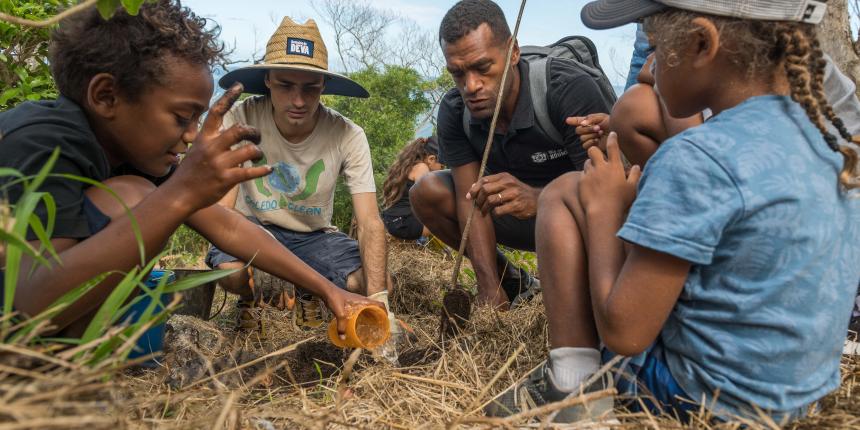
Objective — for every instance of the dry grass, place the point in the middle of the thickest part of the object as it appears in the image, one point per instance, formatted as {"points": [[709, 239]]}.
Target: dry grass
{"points": [[304, 383]]}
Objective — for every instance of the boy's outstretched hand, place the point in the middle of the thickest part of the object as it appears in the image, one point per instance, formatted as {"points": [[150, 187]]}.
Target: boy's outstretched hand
{"points": [[211, 168], [592, 129], [342, 303], [605, 185]]}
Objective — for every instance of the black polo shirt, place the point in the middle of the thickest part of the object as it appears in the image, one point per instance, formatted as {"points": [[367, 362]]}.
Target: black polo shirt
{"points": [[524, 151]]}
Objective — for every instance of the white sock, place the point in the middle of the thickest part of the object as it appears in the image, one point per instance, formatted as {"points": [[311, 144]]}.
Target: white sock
{"points": [[573, 366]]}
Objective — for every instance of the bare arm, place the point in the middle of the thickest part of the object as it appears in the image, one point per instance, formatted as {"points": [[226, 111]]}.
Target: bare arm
{"points": [[229, 199], [233, 233], [631, 295], [417, 171], [637, 120], [113, 248], [371, 242]]}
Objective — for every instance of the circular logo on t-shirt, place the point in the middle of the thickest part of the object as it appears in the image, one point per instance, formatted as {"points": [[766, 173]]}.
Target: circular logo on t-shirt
{"points": [[285, 178]]}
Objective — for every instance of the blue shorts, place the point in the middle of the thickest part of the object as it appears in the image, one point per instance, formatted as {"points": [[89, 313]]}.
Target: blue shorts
{"points": [[646, 377], [333, 254]]}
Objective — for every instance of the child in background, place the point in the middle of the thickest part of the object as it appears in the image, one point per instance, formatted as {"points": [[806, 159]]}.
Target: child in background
{"points": [[729, 278], [639, 118], [415, 160]]}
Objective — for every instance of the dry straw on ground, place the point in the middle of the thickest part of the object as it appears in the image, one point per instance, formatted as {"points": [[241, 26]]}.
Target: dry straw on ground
{"points": [[294, 379]]}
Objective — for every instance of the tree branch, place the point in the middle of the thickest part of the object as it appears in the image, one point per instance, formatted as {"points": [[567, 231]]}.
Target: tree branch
{"points": [[50, 21]]}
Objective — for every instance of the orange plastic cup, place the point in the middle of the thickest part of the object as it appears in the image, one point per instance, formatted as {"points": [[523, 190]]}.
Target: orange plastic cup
{"points": [[367, 328]]}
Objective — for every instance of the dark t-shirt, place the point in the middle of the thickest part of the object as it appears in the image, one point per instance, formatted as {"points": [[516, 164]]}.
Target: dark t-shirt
{"points": [[525, 151], [28, 135], [402, 207]]}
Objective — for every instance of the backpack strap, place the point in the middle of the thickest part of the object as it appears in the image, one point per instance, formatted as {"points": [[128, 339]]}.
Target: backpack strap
{"points": [[538, 86]]}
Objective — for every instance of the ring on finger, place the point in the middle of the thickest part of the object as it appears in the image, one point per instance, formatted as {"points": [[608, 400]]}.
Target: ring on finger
{"points": [[500, 197]]}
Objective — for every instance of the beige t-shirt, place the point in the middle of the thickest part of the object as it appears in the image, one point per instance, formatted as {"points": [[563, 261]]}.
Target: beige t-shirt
{"points": [[299, 194]]}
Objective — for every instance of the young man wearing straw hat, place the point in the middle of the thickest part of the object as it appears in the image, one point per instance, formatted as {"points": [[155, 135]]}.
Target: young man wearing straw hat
{"points": [[308, 146]]}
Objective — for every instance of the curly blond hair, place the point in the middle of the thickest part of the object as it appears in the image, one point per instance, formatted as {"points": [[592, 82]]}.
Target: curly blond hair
{"points": [[761, 47]]}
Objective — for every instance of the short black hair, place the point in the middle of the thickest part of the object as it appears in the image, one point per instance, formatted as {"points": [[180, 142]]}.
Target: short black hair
{"points": [[131, 48], [468, 15]]}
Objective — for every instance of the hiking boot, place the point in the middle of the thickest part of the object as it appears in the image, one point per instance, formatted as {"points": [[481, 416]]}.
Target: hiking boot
{"points": [[309, 313], [538, 389], [520, 286], [271, 289], [248, 316]]}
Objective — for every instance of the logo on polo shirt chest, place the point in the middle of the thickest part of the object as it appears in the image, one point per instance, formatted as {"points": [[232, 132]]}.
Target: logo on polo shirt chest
{"points": [[539, 157], [302, 47], [552, 154]]}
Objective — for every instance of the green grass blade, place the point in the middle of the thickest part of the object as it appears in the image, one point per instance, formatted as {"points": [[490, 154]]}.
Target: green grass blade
{"points": [[44, 172], [113, 302], [58, 306], [15, 241], [5, 171], [44, 237], [196, 280]]}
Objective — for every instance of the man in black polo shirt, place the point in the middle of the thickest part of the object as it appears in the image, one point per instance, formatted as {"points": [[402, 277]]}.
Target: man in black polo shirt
{"points": [[474, 36]]}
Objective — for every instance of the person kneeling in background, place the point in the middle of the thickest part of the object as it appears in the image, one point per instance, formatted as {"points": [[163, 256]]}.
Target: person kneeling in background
{"points": [[418, 158]]}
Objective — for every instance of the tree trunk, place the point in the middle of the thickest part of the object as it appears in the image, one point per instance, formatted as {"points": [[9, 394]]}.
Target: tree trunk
{"points": [[837, 40]]}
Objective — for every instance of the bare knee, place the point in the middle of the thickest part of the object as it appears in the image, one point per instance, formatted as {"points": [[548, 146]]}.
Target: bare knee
{"points": [[236, 283], [130, 189], [355, 282], [430, 194], [564, 189]]}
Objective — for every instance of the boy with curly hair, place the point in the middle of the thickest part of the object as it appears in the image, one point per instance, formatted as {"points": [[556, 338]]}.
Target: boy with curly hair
{"points": [[133, 89]]}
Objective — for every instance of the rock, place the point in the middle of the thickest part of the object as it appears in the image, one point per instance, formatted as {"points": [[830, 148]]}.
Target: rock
{"points": [[195, 349], [190, 346]]}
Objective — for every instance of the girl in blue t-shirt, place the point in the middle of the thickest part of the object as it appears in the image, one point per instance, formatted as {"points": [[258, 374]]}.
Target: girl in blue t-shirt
{"points": [[729, 280]]}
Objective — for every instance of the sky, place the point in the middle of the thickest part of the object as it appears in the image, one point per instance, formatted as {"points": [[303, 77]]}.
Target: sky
{"points": [[246, 25]]}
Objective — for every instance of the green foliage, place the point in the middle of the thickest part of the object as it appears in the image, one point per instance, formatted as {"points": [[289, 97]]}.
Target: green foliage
{"points": [[186, 247], [24, 71], [388, 118], [108, 7], [523, 259]]}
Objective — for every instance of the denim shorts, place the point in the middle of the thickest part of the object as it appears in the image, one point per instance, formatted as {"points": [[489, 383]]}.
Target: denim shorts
{"points": [[403, 227], [333, 254], [646, 377]]}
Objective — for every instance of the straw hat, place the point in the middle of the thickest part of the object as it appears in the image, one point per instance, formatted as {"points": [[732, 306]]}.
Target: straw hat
{"points": [[294, 47]]}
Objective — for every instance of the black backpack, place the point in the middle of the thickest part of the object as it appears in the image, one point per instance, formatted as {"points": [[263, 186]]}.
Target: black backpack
{"points": [[578, 49]]}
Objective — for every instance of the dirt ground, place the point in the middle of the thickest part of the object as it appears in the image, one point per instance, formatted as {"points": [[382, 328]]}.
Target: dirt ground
{"points": [[290, 378]]}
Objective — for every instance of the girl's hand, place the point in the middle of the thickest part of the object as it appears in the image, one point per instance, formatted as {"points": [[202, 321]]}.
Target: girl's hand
{"points": [[592, 129], [211, 168], [342, 303], [605, 186]]}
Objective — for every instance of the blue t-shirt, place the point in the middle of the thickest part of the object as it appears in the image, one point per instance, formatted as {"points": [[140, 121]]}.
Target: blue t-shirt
{"points": [[751, 198]]}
